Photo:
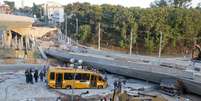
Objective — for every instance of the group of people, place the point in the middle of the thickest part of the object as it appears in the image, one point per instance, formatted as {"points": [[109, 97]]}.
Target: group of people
{"points": [[33, 75]]}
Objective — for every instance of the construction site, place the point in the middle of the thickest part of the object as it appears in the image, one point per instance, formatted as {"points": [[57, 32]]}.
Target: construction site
{"points": [[43, 63]]}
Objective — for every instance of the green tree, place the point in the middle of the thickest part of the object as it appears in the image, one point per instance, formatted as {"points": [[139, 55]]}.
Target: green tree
{"points": [[149, 43], [181, 3], [85, 31], [178, 23], [174, 3], [199, 6], [159, 3], [11, 4], [37, 10]]}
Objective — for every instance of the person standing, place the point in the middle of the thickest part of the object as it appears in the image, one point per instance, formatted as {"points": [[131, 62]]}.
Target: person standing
{"points": [[41, 75], [30, 76], [26, 75], [115, 84], [36, 75]]}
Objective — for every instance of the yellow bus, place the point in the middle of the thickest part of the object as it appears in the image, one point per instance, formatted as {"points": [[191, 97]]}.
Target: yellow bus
{"points": [[74, 78]]}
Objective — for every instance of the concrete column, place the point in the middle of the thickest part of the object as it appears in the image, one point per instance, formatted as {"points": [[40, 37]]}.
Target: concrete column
{"points": [[27, 42], [68, 40], [12, 43], [21, 42], [33, 42], [8, 39], [16, 43], [2, 40]]}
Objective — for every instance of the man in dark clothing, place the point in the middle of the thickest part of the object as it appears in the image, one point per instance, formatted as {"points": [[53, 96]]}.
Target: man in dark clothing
{"points": [[41, 75], [115, 84], [36, 75], [31, 77], [26, 75], [119, 85]]}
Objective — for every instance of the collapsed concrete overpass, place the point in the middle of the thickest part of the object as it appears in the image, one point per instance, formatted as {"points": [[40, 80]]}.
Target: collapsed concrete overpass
{"points": [[19, 30], [141, 70], [12, 21]]}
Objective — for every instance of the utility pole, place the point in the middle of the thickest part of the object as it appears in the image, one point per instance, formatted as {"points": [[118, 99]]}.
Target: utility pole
{"points": [[77, 26], [99, 39], [66, 25], [131, 42], [160, 47], [46, 15]]}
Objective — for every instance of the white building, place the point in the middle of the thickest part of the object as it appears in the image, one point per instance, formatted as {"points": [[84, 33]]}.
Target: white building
{"points": [[54, 12]]}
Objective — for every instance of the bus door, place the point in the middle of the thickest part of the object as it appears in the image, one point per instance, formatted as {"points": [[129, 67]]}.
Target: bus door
{"points": [[59, 79], [93, 81]]}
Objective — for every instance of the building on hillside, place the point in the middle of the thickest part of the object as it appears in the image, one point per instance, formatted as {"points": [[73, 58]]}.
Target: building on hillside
{"points": [[5, 9], [53, 12]]}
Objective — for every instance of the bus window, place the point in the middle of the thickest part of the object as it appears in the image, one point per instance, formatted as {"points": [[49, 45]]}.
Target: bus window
{"points": [[78, 76], [68, 76], [82, 76], [85, 76], [52, 76]]}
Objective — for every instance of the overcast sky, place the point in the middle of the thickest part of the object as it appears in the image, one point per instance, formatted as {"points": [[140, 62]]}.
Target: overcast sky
{"points": [[127, 3]]}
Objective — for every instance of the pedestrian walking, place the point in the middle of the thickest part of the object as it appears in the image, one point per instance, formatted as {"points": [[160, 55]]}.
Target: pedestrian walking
{"points": [[36, 75], [41, 75], [26, 75]]}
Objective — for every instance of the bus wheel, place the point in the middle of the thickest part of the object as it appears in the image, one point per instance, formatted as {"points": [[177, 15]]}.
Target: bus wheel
{"points": [[68, 87], [100, 87]]}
